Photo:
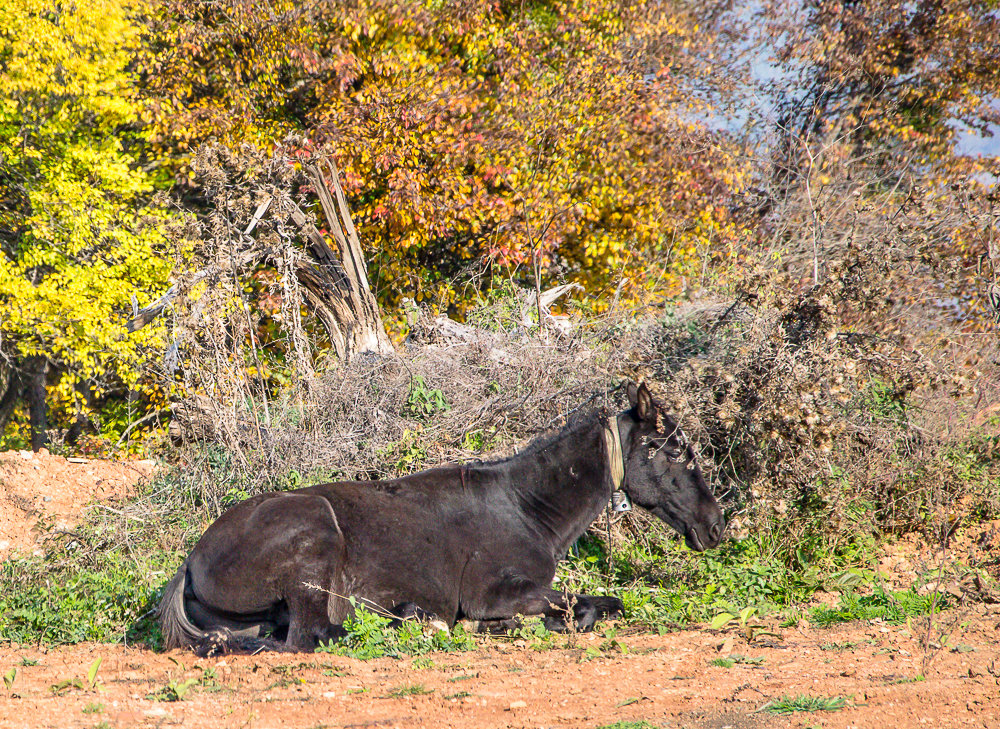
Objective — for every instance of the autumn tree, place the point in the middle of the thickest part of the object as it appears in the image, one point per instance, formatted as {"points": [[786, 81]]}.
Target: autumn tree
{"points": [[861, 110], [77, 236], [543, 139], [902, 76]]}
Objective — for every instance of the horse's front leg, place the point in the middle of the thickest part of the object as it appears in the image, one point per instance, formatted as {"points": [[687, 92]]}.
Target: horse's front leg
{"points": [[560, 610]]}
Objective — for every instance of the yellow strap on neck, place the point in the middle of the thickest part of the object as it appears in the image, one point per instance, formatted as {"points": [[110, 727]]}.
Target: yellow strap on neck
{"points": [[613, 441]]}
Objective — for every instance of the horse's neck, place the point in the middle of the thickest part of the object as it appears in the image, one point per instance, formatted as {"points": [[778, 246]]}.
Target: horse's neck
{"points": [[563, 485]]}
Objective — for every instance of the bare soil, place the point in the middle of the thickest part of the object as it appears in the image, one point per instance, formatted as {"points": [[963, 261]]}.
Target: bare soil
{"points": [[892, 675], [665, 680], [41, 493]]}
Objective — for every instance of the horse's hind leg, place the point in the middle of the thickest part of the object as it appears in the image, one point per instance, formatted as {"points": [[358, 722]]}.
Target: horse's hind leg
{"points": [[309, 622]]}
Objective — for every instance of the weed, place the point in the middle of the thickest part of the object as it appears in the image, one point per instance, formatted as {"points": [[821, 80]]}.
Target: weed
{"points": [[413, 689], [174, 691], [9, 678], [732, 659], [89, 682], [903, 680], [804, 702], [93, 708], [28, 661], [289, 669], [608, 645], [462, 677], [459, 695], [891, 607], [840, 647], [747, 660], [369, 635], [642, 724], [532, 630], [422, 402], [629, 701]]}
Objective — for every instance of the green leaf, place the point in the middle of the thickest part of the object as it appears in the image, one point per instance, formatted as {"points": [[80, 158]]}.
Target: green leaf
{"points": [[720, 620], [92, 671]]}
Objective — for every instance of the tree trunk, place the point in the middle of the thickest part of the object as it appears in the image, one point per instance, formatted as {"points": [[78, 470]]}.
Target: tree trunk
{"points": [[38, 408], [337, 287], [10, 393]]}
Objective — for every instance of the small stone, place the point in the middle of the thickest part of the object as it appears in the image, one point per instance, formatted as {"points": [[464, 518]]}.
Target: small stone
{"points": [[975, 672], [517, 705]]}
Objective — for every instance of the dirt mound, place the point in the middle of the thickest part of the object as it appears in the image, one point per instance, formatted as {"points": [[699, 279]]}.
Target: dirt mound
{"points": [[41, 493]]}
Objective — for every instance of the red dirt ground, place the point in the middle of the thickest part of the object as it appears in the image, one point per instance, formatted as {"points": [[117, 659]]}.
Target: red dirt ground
{"points": [[40, 492], [664, 680]]}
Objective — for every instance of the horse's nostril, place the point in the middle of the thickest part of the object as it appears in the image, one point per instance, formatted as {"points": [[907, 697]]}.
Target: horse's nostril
{"points": [[716, 531]]}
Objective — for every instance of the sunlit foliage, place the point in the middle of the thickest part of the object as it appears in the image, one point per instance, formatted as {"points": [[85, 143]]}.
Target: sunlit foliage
{"points": [[550, 135], [76, 235]]}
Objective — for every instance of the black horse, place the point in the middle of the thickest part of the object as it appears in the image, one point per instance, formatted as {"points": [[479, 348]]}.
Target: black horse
{"points": [[478, 541]]}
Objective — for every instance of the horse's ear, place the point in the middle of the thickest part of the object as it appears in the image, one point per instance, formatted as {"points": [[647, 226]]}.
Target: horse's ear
{"points": [[642, 401], [633, 394]]}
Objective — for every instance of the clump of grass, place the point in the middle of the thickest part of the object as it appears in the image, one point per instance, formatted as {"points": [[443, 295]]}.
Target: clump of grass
{"points": [[804, 702], [891, 607], [370, 635], [414, 689]]}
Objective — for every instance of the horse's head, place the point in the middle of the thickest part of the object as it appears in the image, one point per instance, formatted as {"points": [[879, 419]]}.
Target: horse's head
{"points": [[662, 475]]}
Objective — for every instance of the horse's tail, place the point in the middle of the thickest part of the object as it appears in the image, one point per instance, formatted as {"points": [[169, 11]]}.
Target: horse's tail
{"points": [[177, 629]]}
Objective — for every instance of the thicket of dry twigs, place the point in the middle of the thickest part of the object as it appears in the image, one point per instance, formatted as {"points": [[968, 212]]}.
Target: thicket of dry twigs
{"points": [[819, 406]]}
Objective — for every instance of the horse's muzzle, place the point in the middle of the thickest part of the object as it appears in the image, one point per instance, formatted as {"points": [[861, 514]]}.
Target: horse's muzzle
{"points": [[700, 540]]}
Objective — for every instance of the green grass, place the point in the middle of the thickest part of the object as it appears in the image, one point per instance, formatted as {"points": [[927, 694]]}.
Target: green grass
{"points": [[369, 635], [664, 585], [804, 702], [62, 597], [641, 724], [414, 689], [891, 607]]}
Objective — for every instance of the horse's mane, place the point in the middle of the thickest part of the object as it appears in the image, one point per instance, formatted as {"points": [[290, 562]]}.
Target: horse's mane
{"points": [[577, 423]]}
